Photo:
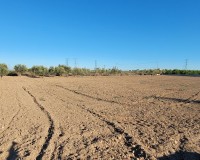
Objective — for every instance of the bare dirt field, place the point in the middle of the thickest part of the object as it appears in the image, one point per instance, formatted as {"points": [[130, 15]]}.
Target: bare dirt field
{"points": [[135, 117]]}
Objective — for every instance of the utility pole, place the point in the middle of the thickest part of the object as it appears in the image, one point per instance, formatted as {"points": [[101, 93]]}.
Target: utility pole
{"points": [[67, 62], [157, 65], [116, 65], [95, 64], [75, 62], [186, 64]]}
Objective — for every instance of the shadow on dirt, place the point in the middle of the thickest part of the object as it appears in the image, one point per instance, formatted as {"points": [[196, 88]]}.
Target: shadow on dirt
{"points": [[181, 155], [13, 153], [180, 100]]}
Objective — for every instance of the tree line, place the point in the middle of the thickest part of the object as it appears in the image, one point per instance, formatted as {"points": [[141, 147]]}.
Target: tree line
{"points": [[60, 70], [165, 72], [63, 70]]}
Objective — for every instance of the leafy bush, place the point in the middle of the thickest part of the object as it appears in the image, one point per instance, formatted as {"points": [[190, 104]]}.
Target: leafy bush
{"points": [[20, 69], [3, 69], [59, 71], [39, 70], [51, 70], [66, 68], [12, 73]]}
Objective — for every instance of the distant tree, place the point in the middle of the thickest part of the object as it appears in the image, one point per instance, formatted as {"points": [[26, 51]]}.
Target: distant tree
{"points": [[3, 70], [168, 71], [66, 68], [114, 70], [39, 70], [59, 70], [51, 70], [80, 71], [156, 71], [43, 70], [175, 71], [86, 72], [20, 68]]}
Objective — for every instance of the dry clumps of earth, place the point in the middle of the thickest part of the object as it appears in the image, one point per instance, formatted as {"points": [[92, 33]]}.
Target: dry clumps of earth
{"points": [[114, 117]]}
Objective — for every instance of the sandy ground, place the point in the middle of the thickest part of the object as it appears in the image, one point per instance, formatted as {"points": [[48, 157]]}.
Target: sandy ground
{"points": [[136, 117]]}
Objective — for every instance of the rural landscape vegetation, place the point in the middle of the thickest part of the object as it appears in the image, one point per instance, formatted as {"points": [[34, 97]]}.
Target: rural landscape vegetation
{"points": [[74, 113], [64, 70], [99, 80]]}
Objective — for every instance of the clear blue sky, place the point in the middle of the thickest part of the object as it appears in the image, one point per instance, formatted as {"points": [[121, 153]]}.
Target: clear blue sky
{"points": [[130, 34]]}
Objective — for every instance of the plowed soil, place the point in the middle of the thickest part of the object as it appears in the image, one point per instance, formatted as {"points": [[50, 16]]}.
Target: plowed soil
{"points": [[127, 117]]}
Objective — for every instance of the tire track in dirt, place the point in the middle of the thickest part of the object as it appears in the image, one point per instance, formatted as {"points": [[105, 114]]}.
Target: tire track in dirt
{"points": [[133, 147], [193, 97], [59, 146], [182, 140], [188, 100], [59, 149], [141, 100], [98, 99], [13, 152], [51, 127], [12, 119], [137, 148], [59, 143], [91, 97]]}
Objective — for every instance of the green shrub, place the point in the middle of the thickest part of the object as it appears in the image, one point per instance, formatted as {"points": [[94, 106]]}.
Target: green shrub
{"points": [[39, 70], [59, 71], [12, 73], [20, 69], [3, 69]]}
